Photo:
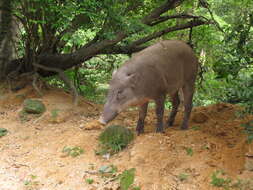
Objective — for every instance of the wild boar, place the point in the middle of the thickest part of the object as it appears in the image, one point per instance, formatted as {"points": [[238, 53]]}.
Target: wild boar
{"points": [[161, 69]]}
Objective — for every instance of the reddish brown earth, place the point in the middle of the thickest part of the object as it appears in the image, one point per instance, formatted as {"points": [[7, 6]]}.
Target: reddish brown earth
{"points": [[34, 148]]}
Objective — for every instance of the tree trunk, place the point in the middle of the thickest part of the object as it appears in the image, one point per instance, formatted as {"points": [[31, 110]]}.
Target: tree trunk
{"points": [[6, 50]]}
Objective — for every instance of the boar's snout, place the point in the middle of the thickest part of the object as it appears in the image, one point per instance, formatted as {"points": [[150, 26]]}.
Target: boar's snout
{"points": [[107, 115]]}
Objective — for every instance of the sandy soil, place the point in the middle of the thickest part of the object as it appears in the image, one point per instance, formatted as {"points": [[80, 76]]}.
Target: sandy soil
{"points": [[32, 158]]}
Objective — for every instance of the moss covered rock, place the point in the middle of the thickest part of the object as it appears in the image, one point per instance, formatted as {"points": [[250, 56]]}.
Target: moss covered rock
{"points": [[34, 106]]}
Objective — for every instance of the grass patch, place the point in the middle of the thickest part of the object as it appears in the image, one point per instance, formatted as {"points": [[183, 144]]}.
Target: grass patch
{"points": [[183, 176], [189, 151], [54, 113], [218, 180], [73, 151], [89, 181], [3, 132], [127, 179], [113, 139], [195, 128], [31, 183]]}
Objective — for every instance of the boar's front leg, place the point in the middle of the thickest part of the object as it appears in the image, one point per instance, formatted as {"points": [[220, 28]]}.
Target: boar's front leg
{"points": [[175, 103], [159, 113], [142, 114]]}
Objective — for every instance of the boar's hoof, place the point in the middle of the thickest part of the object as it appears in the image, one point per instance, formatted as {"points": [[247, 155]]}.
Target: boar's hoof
{"points": [[139, 132], [184, 127], [170, 123], [159, 130]]}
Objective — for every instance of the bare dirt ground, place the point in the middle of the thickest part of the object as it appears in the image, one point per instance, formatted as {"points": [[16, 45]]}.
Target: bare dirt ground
{"points": [[31, 153]]}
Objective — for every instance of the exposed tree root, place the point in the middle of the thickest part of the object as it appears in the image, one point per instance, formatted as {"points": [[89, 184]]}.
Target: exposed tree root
{"points": [[34, 84], [64, 78]]}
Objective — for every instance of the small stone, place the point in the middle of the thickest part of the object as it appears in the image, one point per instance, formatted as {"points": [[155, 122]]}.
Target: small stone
{"points": [[250, 150], [93, 125]]}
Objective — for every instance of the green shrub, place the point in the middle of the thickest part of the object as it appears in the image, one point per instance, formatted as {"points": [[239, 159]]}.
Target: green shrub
{"points": [[115, 138], [219, 181]]}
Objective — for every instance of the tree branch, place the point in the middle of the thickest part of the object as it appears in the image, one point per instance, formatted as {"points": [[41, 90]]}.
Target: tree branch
{"points": [[161, 19], [96, 48], [138, 44], [189, 24], [169, 4]]}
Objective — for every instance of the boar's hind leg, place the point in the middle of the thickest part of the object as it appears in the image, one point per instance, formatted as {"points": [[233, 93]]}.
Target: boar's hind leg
{"points": [[188, 90], [175, 103], [159, 113], [142, 114]]}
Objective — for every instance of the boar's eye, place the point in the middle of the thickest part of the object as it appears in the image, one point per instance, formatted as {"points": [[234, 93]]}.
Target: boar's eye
{"points": [[120, 94]]}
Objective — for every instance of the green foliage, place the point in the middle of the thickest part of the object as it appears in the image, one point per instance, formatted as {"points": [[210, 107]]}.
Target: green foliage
{"points": [[115, 138], [73, 151], [212, 90], [54, 113], [241, 89], [91, 80], [219, 181], [237, 89], [195, 128], [31, 182], [189, 151], [236, 43], [136, 188], [248, 129], [3, 132], [89, 181], [127, 179], [183, 176]]}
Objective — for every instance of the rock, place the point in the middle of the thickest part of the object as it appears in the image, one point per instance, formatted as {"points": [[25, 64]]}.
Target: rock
{"points": [[34, 106], [93, 125], [249, 158], [250, 150], [248, 164], [199, 117]]}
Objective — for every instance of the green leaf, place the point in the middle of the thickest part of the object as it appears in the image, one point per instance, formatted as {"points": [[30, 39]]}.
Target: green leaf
{"points": [[127, 179]]}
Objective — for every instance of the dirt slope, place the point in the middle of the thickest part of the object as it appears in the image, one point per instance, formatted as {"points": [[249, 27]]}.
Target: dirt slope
{"points": [[31, 153]]}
